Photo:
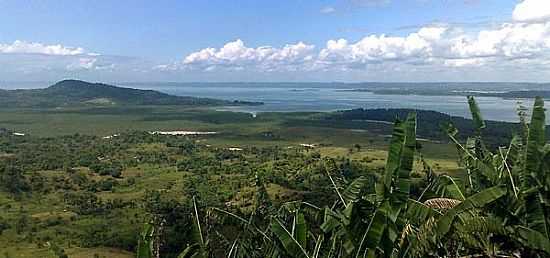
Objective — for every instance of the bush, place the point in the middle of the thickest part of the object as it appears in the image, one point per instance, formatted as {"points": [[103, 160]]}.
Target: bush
{"points": [[3, 225]]}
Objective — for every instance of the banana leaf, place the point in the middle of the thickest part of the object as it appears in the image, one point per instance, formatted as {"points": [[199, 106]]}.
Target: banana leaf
{"points": [[289, 243], [533, 172], [402, 190], [477, 200], [535, 142], [145, 243], [377, 226], [301, 229], [479, 123], [532, 239], [355, 189], [393, 160]]}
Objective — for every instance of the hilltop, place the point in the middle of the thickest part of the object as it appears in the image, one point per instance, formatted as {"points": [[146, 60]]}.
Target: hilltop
{"points": [[76, 93]]}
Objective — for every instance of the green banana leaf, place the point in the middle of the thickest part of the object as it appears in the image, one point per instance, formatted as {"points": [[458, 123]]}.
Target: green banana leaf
{"points": [[532, 239], [290, 244], [355, 189], [477, 200], [145, 243], [479, 123], [402, 190], [300, 232]]}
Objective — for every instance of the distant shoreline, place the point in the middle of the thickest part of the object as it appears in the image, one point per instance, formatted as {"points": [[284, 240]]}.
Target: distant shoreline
{"points": [[520, 94]]}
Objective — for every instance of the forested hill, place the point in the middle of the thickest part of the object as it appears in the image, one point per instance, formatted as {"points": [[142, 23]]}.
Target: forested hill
{"points": [[75, 92], [430, 123]]}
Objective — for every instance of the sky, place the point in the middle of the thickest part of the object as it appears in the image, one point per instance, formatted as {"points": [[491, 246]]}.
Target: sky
{"points": [[283, 40]]}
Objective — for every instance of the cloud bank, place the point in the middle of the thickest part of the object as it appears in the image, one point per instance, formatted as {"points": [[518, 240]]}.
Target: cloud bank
{"points": [[513, 50], [23, 47], [523, 41]]}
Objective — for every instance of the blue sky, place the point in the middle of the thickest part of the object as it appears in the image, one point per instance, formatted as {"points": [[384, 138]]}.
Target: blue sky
{"points": [[294, 40]]}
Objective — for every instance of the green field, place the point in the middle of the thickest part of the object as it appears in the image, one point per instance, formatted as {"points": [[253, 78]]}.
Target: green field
{"points": [[49, 217], [239, 129]]}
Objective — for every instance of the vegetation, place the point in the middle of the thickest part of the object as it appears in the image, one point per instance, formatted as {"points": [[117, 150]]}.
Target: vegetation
{"points": [[257, 189], [500, 211], [74, 92], [430, 122], [55, 190]]}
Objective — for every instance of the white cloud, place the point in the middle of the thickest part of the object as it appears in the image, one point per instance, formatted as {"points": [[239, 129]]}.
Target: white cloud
{"points": [[526, 40], [532, 11], [90, 63], [237, 56], [463, 62], [437, 46], [378, 48], [327, 10], [83, 64], [33, 57], [23, 47], [510, 40], [519, 47]]}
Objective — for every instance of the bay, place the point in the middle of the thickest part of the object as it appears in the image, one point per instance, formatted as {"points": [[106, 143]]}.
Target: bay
{"points": [[323, 99]]}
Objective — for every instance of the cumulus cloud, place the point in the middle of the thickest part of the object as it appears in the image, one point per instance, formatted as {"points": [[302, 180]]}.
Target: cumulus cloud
{"points": [[522, 43], [524, 40], [237, 56], [24, 47], [447, 46], [33, 57], [532, 11], [510, 40], [376, 48], [434, 45]]}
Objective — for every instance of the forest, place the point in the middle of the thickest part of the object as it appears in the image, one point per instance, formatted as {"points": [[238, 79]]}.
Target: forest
{"points": [[152, 195]]}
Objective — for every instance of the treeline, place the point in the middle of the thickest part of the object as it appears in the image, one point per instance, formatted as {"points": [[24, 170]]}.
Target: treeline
{"points": [[430, 123]]}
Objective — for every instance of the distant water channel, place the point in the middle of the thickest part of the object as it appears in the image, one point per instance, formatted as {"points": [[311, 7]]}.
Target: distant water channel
{"points": [[288, 99], [323, 97]]}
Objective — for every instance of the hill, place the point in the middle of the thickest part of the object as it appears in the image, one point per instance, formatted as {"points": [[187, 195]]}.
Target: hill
{"points": [[430, 123], [75, 92]]}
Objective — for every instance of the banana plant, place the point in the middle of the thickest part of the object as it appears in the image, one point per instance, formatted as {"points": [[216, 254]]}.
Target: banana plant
{"points": [[516, 174], [503, 203], [199, 247], [366, 224], [146, 242]]}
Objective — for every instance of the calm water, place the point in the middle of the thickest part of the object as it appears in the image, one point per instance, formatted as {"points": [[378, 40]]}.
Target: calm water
{"points": [[287, 99]]}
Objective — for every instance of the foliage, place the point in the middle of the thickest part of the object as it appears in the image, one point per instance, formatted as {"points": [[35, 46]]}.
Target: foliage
{"points": [[500, 210], [199, 200]]}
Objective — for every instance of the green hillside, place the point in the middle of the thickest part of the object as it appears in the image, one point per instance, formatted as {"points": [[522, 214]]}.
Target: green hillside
{"points": [[77, 93]]}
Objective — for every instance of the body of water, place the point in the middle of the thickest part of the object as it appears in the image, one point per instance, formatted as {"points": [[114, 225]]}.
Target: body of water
{"points": [[324, 97], [288, 99]]}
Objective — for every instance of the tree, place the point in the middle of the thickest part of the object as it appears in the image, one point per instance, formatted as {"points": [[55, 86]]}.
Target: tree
{"points": [[499, 208], [4, 225], [13, 181], [357, 146]]}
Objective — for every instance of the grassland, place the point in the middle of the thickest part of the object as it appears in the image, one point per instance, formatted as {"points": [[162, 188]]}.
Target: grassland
{"points": [[242, 129]]}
